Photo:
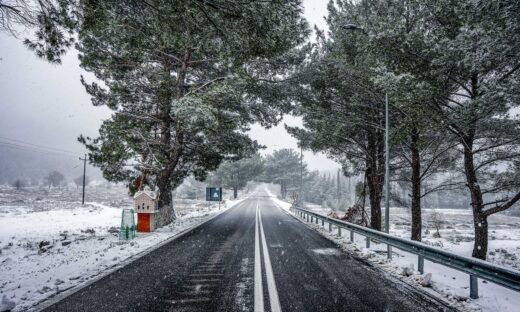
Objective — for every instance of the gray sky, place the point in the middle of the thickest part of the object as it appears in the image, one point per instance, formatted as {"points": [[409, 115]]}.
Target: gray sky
{"points": [[46, 104]]}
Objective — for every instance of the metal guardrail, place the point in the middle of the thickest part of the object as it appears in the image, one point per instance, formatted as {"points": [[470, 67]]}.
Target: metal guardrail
{"points": [[476, 268]]}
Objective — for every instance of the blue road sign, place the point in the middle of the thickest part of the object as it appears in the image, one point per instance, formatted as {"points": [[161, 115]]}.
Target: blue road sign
{"points": [[213, 194]]}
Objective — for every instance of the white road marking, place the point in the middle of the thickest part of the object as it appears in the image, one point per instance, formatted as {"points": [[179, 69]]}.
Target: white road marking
{"points": [[259, 291], [271, 284]]}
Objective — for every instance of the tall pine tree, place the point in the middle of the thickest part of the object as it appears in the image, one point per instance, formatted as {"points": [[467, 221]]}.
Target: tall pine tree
{"points": [[185, 80]]}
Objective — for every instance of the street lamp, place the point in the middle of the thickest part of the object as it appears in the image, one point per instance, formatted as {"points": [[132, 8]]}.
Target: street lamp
{"points": [[387, 166], [301, 174], [353, 27]]}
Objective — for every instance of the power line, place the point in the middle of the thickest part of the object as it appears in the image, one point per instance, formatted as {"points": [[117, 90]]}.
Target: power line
{"points": [[32, 149], [39, 146]]}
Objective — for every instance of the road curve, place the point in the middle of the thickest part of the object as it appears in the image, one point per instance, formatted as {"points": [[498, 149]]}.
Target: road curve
{"points": [[253, 257]]}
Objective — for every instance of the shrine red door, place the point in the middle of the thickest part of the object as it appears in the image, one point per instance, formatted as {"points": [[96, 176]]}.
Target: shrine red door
{"points": [[143, 222]]}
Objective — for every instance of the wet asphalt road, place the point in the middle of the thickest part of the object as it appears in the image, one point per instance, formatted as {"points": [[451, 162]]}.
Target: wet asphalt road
{"points": [[253, 257]]}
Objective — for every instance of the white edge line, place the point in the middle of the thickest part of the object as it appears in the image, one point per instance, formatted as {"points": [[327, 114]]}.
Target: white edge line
{"points": [[259, 292], [271, 284], [49, 301]]}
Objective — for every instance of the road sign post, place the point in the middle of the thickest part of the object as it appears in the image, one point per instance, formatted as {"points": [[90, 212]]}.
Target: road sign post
{"points": [[214, 194]]}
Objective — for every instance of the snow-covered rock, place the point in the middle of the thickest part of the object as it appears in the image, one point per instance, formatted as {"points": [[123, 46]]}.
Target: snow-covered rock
{"points": [[426, 280], [407, 270]]}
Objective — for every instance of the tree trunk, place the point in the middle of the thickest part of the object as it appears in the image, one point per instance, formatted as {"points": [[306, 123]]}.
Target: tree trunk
{"points": [[477, 203], [479, 218], [375, 178], [416, 188], [166, 212], [235, 192], [283, 188], [481, 236], [375, 193]]}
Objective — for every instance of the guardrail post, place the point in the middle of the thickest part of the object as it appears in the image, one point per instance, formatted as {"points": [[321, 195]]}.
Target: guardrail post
{"points": [[368, 242], [312, 219], [339, 231], [330, 227], [307, 217], [322, 222], [351, 236], [389, 251], [420, 264], [473, 287], [317, 220]]}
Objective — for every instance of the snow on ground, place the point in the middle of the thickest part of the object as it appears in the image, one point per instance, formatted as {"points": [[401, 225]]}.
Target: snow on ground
{"points": [[457, 237], [280, 203], [49, 242]]}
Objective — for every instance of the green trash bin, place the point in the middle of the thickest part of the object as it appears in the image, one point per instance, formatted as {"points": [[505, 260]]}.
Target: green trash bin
{"points": [[127, 229]]}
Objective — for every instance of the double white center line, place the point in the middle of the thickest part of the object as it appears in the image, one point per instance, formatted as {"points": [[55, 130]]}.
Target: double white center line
{"points": [[271, 285]]}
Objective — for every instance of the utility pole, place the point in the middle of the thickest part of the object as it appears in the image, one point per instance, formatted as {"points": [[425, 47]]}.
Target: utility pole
{"points": [[301, 174], [338, 189], [349, 192], [387, 166], [84, 172], [387, 174]]}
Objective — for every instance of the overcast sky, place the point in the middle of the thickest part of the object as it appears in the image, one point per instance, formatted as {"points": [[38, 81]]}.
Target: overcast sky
{"points": [[46, 104]]}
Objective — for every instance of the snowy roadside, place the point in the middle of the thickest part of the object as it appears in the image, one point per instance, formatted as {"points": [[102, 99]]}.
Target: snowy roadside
{"points": [[438, 280], [45, 253], [280, 203]]}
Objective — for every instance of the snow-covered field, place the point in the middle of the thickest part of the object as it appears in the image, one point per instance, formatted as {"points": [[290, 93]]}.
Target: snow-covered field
{"points": [[50, 243], [457, 237]]}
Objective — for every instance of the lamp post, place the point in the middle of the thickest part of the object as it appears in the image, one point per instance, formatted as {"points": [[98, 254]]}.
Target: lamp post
{"points": [[301, 174], [353, 27], [387, 166]]}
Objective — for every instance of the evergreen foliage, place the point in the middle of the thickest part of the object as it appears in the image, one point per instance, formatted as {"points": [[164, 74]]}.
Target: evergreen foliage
{"points": [[341, 106], [469, 58], [451, 70], [185, 80], [236, 174], [283, 167], [54, 23]]}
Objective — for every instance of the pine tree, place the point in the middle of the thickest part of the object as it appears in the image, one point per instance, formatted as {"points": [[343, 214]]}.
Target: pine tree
{"points": [[185, 80], [283, 168], [341, 107], [236, 174], [54, 21], [422, 151]]}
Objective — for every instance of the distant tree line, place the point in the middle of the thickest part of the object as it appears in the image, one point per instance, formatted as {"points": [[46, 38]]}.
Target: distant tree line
{"points": [[53, 179]]}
